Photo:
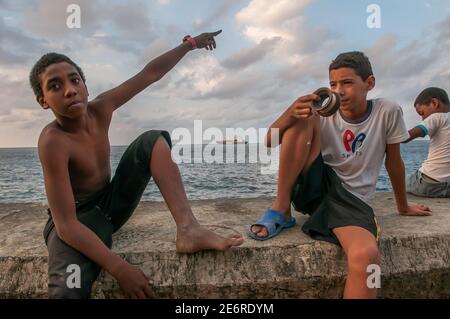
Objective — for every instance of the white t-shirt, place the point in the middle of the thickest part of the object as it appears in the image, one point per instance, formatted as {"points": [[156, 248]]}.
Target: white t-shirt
{"points": [[437, 165], [356, 150]]}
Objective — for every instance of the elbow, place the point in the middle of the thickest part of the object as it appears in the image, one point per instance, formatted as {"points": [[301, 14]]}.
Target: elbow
{"points": [[410, 138], [154, 75], [65, 231], [156, 78], [62, 232]]}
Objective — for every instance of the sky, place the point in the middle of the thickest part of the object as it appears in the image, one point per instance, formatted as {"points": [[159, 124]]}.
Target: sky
{"points": [[269, 54]]}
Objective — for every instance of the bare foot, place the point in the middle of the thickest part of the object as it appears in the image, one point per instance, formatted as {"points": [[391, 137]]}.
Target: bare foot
{"points": [[261, 231], [196, 238]]}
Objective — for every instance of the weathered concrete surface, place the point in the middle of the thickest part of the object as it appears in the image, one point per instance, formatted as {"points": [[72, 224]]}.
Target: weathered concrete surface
{"points": [[415, 254]]}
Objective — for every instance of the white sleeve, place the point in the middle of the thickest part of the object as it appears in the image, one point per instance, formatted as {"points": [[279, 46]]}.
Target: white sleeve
{"points": [[432, 123], [396, 127]]}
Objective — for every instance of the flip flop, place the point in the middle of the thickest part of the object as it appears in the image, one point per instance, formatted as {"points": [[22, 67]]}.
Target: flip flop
{"points": [[274, 221]]}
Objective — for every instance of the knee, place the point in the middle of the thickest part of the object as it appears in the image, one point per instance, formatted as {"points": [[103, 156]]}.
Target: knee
{"points": [[160, 148], [156, 138], [301, 127], [361, 256], [153, 143]]}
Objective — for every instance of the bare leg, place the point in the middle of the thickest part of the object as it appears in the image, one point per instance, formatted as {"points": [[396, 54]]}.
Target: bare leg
{"points": [[191, 237], [361, 249], [300, 145]]}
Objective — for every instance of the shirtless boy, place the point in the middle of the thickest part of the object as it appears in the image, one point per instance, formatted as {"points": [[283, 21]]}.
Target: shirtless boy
{"points": [[86, 206]]}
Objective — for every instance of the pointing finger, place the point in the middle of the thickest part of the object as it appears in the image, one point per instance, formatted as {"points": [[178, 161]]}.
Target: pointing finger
{"points": [[216, 33]]}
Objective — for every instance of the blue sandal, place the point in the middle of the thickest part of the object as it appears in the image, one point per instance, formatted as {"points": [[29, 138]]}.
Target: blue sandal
{"points": [[274, 222]]}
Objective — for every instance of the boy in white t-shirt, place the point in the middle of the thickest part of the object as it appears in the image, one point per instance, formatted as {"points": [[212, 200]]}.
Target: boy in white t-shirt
{"points": [[329, 168], [432, 179]]}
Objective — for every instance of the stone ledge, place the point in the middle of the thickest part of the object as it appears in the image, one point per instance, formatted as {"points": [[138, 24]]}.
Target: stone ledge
{"points": [[415, 254]]}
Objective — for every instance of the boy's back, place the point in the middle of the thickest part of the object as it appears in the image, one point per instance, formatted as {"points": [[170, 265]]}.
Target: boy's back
{"points": [[437, 164], [433, 177]]}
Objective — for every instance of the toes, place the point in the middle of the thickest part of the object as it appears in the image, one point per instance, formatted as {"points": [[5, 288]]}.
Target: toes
{"points": [[238, 241], [256, 229], [234, 241], [262, 233], [236, 236]]}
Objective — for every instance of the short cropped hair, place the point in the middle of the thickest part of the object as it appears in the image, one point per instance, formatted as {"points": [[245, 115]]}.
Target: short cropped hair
{"points": [[355, 60], [429, 93], [40, 66]]}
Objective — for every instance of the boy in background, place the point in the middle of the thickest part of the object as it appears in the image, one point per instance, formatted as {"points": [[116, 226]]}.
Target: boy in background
{"points": [[432, 179]]}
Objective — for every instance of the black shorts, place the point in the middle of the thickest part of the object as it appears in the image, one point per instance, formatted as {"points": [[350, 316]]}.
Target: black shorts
{"points": [[321, 195], [104, 213]]}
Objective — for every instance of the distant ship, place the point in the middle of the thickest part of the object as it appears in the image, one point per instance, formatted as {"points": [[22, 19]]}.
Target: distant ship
{"points": [[235, 141]]}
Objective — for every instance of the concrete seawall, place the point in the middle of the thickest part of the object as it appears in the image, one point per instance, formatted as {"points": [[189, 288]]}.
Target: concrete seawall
{"points": [[415, 254]]}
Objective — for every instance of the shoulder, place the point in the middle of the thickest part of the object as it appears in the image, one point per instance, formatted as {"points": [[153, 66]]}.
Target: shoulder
{"points": [[386, 106], [52, 143], [387, 110], [438, 117], [101, 110]]}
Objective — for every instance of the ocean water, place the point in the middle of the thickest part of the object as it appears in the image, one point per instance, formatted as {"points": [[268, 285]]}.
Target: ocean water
{"points": [[21, 175]]}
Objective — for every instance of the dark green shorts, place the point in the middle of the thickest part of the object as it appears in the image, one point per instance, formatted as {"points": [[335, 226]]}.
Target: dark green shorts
{"points": [[321, 195], [104, 213]]}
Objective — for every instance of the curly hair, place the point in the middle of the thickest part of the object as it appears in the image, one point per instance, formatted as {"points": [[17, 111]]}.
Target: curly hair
{"points": [[40, 66]]}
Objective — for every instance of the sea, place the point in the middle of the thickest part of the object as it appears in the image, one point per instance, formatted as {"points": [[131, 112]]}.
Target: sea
{"points": [[225, 171]]}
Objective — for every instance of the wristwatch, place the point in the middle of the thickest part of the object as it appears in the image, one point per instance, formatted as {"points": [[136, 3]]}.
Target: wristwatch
{"points": [[191, 40]]}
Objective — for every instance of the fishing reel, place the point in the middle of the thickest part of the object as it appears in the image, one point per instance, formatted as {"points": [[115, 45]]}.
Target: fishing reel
{"points": [[328, 104]]}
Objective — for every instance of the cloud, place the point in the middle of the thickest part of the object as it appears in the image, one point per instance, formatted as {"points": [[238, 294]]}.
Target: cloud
{"points": [[242, 89], [221, 10], [123, 27], [16, 47], [49, 18], [393, 60], [444, 33], [16, 6], [248, 56], [299, 51], [271, 15], [404, 69], [21, 117], [132, 21], [203, 77], [274, 29], [276, 55]]}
